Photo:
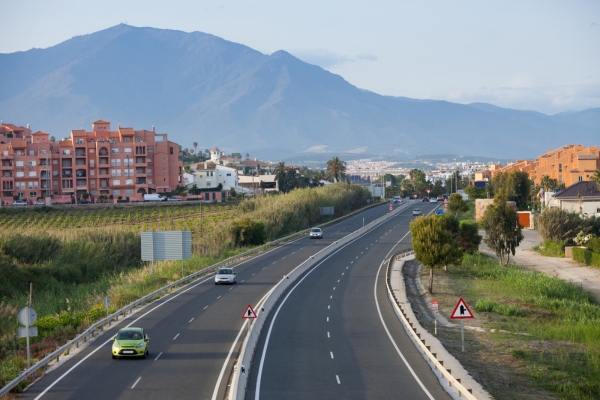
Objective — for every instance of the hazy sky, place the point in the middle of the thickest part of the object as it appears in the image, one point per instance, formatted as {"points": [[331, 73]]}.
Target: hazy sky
{"points": [[537, 55]]}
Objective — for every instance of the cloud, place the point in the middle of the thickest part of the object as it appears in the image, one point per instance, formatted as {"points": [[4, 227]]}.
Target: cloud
{"points": [[326, 59], [321, 148], [545, 98], [359, 150]]}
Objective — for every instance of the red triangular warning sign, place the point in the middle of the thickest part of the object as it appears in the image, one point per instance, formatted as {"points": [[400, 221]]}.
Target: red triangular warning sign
{"points": [[249, 313], [461, 310]]}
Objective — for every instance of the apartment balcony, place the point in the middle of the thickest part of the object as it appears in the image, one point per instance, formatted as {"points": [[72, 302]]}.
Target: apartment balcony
{"points": [[141, 164], [67, 175], [7, 157], [7, 166]]}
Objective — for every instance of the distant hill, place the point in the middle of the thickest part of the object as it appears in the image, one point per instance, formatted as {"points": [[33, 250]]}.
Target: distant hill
{"points": [[198, 87]]}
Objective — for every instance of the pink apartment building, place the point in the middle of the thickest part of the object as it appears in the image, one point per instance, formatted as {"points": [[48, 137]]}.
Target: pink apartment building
{"points": [[124, 162]]}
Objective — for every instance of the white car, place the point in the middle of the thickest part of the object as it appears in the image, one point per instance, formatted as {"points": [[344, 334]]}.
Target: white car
{"points": [[433, 200], [225, 275], [39, 203], [417, 211], [397, 199], [173, 199], [20, 203], [316, 233]]}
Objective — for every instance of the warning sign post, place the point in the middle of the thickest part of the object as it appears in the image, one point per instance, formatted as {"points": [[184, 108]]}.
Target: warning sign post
{"points": [[249, 313], [462, 312]]}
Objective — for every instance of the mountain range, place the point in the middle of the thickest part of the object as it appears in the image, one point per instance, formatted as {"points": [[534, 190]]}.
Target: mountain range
{"points": [[200, 88]]}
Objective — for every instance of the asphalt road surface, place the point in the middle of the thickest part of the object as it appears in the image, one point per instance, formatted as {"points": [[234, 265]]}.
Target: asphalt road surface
{"points": [[194, 333], [335, 335]]}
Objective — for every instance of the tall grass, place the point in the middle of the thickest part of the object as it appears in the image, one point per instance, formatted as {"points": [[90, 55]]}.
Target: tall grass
{"points": [[556, 312]]}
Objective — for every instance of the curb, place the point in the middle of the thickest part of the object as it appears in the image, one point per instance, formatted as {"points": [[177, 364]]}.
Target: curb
{"points": [[455, 380]]}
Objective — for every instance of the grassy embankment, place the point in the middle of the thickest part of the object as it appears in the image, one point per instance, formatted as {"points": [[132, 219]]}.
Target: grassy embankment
{"points": [[73, 264], [541, 335]]}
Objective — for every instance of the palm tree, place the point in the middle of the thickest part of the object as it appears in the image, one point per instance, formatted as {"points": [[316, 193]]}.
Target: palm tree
{"points": [[548, 183], [596, 177], [195, 145], [336, 168]]}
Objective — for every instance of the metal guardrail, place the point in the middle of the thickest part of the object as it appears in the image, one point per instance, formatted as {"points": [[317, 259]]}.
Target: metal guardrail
{"points": [[98, 327], [250, 342], [425, 348]]}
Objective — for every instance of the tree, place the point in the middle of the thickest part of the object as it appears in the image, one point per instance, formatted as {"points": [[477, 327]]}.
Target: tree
{"points": [[418, 181], [502, 230], [516, 186], [52, 139], [187, 169], [548, 183], [476, 193], [236, 155], [85, 195], [456, 204], [247, 156], [195, 146], [560, 225], [434, 246], [336, 168], [596, 177]]}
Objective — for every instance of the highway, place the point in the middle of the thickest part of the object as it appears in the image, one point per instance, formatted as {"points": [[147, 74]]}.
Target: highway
{"points": [[335, 335], [194, 333]]}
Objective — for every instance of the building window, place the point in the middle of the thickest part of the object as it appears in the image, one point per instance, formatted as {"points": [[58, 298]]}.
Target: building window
{"points": [[32, 173], [150, 149], [31, 163], [128, 150], [129, 181], [54, 162], [55, 185], [114, 151], [149, 172], [116, 191], [164, 170], [20, 174], [92, 183], [164, 179], [116, 182], [92, 151], [149, 181], [127, 140], [559, 167], [19, 163], [560, 179], [164, 159], [580, 178], [137, 139], [129, 191], [170, 150]]}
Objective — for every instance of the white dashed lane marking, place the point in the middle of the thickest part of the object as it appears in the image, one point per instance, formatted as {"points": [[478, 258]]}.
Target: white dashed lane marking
{"points": [[331, 353], [191, 320], [338, 379], [136, 382], [205, 307], [176, 336], [160, 354]]}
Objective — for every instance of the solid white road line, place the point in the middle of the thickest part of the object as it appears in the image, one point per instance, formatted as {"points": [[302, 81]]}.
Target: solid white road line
{"points": [[176, 336], [136, 382], [386, 328], [266, 345], [337, 378], [190, 320], [109, 341], [160, 354]]}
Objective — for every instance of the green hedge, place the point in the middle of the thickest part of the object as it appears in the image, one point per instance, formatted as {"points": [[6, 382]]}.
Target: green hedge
{"points": [[587, 257]]}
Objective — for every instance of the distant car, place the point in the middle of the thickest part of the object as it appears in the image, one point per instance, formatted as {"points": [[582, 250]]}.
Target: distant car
{"points": [[417, 211], [397, 199], [316, 233], [440, 198], [173, 199], [20, 203], [130, 342], [83, 201], [225, 275], [433, 200], [39, 203]]}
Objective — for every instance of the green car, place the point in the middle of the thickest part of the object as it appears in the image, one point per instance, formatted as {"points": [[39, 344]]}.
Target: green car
{"points": [[130, 342]]}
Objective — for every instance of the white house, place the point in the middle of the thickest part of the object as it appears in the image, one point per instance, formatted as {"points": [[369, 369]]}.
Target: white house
{"points": [[581, 197], [210, 175]]}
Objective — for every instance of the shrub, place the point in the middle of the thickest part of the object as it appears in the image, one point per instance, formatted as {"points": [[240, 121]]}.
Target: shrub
{"points": [[586, 256], [561, 226], [593, 245], [248, 232], [550, 248], [492, 306]]}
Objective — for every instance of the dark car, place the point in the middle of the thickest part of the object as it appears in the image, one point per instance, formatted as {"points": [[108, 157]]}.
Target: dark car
{"points": [[425, 199], [85, 202]]}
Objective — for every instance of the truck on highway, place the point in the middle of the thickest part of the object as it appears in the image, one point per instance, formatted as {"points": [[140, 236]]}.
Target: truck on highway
{"points": [[153, 197]]}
